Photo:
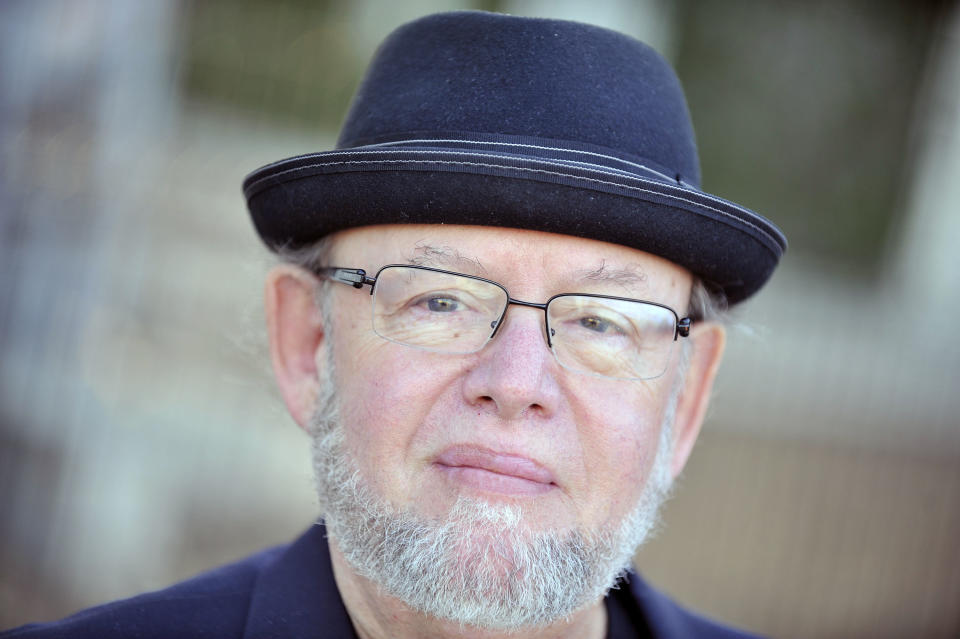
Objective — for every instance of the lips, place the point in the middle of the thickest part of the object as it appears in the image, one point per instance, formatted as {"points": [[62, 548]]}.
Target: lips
{"points": [[492, 471]]}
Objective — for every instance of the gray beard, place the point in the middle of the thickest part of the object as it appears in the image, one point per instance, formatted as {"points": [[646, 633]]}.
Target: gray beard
{"points": [[481, 565]]}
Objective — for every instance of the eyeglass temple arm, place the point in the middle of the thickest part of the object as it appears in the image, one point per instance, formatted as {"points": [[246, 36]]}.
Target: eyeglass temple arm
{"points": [[355, 277], [683, 327]]}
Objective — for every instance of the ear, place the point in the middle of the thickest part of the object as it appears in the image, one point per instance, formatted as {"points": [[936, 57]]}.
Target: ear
{"points": [[296, 331], [709, 340]]}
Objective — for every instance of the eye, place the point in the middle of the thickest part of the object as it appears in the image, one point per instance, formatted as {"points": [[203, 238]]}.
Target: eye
{"points": [[601, 325], [597, 324], [443, 304]]}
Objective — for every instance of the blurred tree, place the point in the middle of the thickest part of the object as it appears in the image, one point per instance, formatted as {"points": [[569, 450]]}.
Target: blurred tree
{"points": [[803, 112], [291, 59]]}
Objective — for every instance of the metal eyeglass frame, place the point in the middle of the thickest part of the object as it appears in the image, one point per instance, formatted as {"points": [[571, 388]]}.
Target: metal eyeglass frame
{"points": [[357, 278]]}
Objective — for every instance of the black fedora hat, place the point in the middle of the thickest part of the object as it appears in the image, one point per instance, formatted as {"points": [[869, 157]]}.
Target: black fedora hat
{"points": [[486, 119]]}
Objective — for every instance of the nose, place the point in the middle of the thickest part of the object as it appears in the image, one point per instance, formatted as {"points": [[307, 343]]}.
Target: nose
{"points": [[514, 376]]}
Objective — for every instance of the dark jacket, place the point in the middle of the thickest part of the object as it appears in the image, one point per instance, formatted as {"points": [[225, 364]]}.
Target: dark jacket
{"points": [[289, 592]]}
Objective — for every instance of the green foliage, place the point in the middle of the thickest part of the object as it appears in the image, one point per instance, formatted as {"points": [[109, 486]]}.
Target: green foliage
{"points": [[293, 59], [802, 113]]}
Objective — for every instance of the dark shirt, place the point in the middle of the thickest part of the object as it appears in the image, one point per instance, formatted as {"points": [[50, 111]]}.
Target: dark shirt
{"points": [[290, 592]]}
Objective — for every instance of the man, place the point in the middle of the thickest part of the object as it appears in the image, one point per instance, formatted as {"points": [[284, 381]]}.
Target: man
{"points": [[495, 317]]}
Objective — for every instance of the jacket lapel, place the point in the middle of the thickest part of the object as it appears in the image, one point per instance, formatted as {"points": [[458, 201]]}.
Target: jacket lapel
{"points": [[296, 597]]}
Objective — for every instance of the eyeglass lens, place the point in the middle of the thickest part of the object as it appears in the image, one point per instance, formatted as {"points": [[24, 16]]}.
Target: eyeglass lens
{"points": [[452, 313]]}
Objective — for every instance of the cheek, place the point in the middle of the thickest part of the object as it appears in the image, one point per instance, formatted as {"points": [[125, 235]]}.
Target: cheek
{"points": [[385, 395], [620, 444]]}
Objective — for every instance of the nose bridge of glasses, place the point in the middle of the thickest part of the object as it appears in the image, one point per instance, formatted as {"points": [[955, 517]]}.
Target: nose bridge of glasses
{"points": [[515, 302]]}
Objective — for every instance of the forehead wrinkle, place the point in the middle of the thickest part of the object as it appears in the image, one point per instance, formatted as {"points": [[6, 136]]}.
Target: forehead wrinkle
{"points": [[444, 257]]}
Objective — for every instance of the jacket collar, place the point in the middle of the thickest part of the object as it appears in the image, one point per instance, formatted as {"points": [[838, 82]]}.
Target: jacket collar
{"points": [[296, 595]]}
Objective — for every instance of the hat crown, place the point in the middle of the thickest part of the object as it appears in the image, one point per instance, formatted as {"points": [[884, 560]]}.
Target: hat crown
{"points": [[483, 74], [482, 119]]}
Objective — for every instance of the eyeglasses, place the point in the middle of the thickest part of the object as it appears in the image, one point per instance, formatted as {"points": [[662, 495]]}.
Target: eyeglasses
{"points": [[445, 312]]}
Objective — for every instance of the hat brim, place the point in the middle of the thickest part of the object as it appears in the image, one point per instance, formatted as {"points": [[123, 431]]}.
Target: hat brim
{"points": [[299, 200]]}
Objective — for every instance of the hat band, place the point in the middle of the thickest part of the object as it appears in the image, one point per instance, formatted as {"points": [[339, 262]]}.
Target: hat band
{"points": [[588, 155]]}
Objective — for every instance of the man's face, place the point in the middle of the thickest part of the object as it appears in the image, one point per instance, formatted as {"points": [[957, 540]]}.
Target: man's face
{"points": [[496, 489], [506, 425]]}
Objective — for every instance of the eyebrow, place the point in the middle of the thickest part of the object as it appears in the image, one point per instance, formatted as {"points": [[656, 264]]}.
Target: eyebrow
{"points": [[631, 278], [444, 256]]}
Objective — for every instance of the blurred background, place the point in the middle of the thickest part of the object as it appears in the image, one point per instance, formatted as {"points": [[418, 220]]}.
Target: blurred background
{"points": [[142, 440]]}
